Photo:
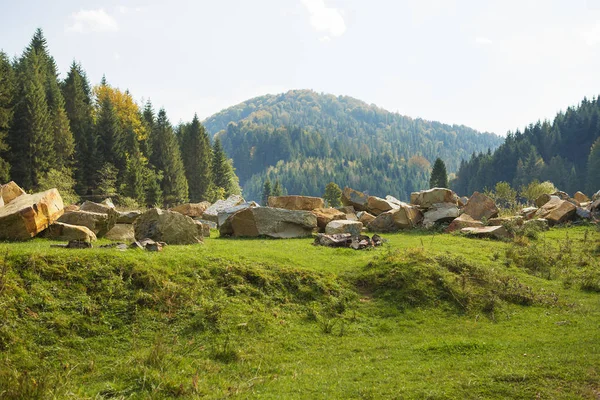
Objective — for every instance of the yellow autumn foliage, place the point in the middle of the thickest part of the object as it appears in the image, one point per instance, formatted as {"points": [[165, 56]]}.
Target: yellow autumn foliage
{"points": [[126, 108]]}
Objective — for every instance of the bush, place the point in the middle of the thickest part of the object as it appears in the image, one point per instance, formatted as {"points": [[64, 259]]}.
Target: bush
{"points": [[61, 180], [535, 189]]}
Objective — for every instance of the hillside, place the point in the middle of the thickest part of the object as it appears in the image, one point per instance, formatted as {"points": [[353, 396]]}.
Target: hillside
{"points": [[306, 139], [559, 151]]}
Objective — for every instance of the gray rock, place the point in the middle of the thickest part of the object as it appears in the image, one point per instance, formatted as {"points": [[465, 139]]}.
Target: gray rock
{"points": [[495, 232], [439, 213], [121, 232], [212, 212], [343, 226], [128, 217], [356, 199], [405, 217], [99, 223], [166, 226], [271, 222]]}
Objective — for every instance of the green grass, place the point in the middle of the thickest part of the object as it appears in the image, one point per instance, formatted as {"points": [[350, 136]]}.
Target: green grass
{"points": [[425, 316]]}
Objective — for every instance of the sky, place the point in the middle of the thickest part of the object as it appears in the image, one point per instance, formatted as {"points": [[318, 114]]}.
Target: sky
{"points": [[492, 65]]}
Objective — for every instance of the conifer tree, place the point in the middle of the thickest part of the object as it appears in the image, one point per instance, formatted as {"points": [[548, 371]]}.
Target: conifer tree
{"points": [[266, 192], [277, 189], [333, 195], [223, 173], [593, 168], [108, 133], [197, 158], [439, 176], [7, 97]]}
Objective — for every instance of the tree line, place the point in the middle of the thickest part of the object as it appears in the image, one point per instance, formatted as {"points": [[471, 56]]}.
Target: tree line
{"points": [[97, 141]]}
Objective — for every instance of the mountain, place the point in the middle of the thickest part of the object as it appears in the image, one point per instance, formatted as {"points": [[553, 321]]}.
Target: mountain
{"points": [[306, 139], [559, 151]]}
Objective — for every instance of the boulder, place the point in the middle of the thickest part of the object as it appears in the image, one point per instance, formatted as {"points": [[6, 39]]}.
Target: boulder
{"points": [[10, 191], [356, 199], [128, 217], [427, 198], [494, 232], [109, 203], [28, 214], [346, 209], [543, 199], [405, 217], [352, 217], [481, 206], [211, 225], [596, 196], [121, 233], [60, 231], [365, 217], [99, 208], [502, 221], [271, 222], [224, 223], [166, 226], [561, 195], [305, 203], [352, 227], [377, 205], [583, 213], [393, 200], [440, 212], [537, 224], [193, 210], [557, 211], [326, 215], [463, 221], [528, 212], [72, 207], [1, 202], [203, 229], [462, 201], [580, 197], [212, 212], [99, 223]]}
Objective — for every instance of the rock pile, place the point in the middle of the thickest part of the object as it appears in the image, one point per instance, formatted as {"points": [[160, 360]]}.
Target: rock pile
{"points": [[359, 242]]}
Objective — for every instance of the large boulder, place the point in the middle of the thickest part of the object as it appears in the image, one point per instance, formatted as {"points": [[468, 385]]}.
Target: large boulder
{"points": [[121, 233], [193, 210], [404, 217], [356, 199], [166, 226], [99, 223], [10, 191], [580, 197], [528, 212], [481, 206], [543, 199], [224, 222], [494, 232], [377, 205], [29, 214], [427, 198], [305, 203], [557, 211], [271, 222], [101, 208], [365, 217], [440, 212], [352, 227], [128, 217], [212, 212], [463, 221], [326, 215], [203, 228], [60, 231]]}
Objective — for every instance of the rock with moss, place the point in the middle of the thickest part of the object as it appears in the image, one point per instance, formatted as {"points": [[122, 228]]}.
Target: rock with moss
{"points": [[166, 226]]}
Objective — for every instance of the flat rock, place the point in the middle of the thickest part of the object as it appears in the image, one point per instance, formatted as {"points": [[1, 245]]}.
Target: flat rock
{"points": [[166, 226], [271, 222], [543, 199], [462, 201], [463, 221], [326, 215], [60, 231], [10, 191], [377, 205], [97, 208], [212, 212], [128, 217], [121, 233], [528, 212], [99, 223], [354, 228], [481, 206], [224, 222], [305, 203], [29, 214], [427, 198], [581, 197], [583, 213], [194, 210], [405, 217], [439, 213], [365, 217], [356, 199], [557, 211], [495, 232]]}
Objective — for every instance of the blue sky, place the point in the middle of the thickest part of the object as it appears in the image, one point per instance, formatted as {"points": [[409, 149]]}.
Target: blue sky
{"points": [[491, 65]]}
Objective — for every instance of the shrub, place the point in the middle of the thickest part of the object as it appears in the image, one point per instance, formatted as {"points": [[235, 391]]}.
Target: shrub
{"points": [[535, 189]]}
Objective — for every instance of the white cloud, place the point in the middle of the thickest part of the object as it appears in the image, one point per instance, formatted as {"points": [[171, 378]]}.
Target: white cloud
{"points": [[325, 19], [592, 35], [483, 40], [117, 56], [85, 21], [128, 10]]}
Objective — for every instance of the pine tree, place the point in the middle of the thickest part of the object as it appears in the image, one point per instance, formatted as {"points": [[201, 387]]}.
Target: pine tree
{"points": [[7, 98], [439, 176], [167, 158], [333, 195], [277, 189], [593, 168], [108, 133], [266, 192], [197, 154], [223, 173]]}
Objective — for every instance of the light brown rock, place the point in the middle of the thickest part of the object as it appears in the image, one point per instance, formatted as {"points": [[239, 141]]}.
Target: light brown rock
{"points": [[580, 197], [377, 205], [203, 229], [495, 232], [128, 217], [405, 217], [305, 203], [121, 233], [352, 227], [528, 212], [326, 215], [543, 199], [29, 214], [99, 223], [427, 198], [166, 226], [60, 231], [271, 222], [557, 211], [365, 217], [10, 191], [481, 206], [193, 210], [501, 221], [463, 221], [356, 199]]}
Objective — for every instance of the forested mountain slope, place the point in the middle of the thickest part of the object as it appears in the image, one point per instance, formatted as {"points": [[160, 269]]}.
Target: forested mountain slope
{"points": [[565, 151], [306, 139]]}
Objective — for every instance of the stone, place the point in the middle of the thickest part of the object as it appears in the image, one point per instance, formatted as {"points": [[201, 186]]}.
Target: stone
{"points": [[439, 213], [502, 221], [326, 215], [356, 199], [352, 217], [10, 191], [127, 217], [271, 222], [305, 203], [346, 209], [557, 211], [72, 207], [427, 198], [583, 213], [194, 210], [109, 203], [377, 205], [462, 201], [596, 196], [336, 240], [494, 232], [561, 195], [121, 232], [29, 214], [212, 212], [1, 201], [394, 200], [528, 212], [166, 226], [365, 217], [60, 231], [211, 225], [405, 217], [537, 224], [224, 223], [100, 208], [203, 229], [99, 223], [580, 197], [542, 199], [480, 206], [463, 221], [352, 227]]}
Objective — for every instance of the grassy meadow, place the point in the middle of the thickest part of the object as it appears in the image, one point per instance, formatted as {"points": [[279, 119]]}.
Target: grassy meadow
{"points": [[426, 316]]}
